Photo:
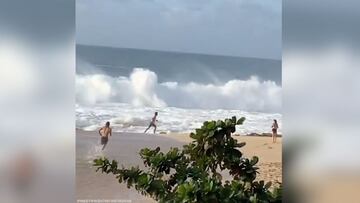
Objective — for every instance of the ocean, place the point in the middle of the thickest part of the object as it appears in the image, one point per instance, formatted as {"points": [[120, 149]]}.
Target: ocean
{"points": [[126, 87]]}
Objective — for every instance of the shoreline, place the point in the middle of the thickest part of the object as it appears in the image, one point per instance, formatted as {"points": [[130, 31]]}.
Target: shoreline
{"points": [[256, 145], [181, 133]]}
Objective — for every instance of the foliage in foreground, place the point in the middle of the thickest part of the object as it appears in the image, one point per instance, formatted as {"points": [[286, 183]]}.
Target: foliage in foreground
{"points": [[193, 174]]}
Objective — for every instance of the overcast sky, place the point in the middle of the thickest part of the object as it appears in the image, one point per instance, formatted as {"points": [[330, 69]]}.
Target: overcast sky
{"points": [[249, 28]]}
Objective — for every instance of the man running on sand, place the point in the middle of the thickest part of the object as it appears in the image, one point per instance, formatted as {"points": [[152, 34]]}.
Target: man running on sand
{"points": [[104, 133], [152, 123]]}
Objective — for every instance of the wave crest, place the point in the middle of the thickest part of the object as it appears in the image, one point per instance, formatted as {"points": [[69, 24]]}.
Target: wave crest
{"points": [[142, 89]]}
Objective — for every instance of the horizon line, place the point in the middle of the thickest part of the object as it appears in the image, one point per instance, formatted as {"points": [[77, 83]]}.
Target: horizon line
{"points": [[177, 52]]}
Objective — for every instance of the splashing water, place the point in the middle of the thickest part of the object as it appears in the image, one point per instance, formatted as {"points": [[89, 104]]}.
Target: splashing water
{"points": [[95, 151]]}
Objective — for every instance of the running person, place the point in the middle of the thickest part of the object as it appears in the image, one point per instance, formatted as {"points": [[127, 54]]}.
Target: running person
{"points": [[152, 123], [104, 133]]}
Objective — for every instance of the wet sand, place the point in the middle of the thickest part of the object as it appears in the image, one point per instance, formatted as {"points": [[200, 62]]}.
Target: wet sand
{"points": [[124, 148]]}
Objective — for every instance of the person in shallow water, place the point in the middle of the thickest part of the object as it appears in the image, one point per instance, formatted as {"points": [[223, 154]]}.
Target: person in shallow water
{"points": [[274, 128], [152, 123], [105, 132]]}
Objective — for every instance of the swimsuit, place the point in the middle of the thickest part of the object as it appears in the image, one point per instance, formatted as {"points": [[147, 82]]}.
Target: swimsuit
{"points": [[104, 140]]}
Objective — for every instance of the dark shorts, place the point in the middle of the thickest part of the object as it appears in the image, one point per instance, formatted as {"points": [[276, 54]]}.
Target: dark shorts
{"points": [[152, 124], [274, 130], [104, 140]]}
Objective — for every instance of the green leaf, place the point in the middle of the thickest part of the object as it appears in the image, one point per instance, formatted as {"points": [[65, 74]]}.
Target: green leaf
{"points": [[268, 185], [194, 136], [220, 123], [228, 122], [254, 160], [143, 179], [240, 121], [211, 185], [157, 184], [98, 162], [241, 144], [211, 125], [199, 131]]}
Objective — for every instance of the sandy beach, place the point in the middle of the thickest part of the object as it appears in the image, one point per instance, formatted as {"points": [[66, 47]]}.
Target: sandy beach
{"points": [[124, 148], [270, 154]]}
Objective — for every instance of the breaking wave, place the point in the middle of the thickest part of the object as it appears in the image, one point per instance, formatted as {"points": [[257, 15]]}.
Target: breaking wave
{"points": [[142, 89]]}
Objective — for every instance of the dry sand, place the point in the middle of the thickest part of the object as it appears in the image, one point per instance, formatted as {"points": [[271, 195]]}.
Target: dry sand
{"points": [[124, 148], [270, 154]]}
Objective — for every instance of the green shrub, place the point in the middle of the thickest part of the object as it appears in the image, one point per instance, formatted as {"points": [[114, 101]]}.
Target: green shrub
{"points": [[193, 174]]}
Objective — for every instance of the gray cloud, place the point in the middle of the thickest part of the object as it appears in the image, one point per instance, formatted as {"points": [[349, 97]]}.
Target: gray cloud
{"points": [[321, 23], [229, 27]]}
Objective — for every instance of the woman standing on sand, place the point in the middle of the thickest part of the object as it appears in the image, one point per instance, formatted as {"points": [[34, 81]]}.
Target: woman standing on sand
{"points": [[274, 128]]}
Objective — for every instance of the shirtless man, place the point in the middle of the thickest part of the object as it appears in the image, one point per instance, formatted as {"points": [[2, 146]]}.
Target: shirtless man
{"points": [[152, 123], [104, 133]]}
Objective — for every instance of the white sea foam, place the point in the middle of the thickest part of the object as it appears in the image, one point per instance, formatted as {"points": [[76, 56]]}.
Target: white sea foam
{"points": [[142, 89], [126, 118]]}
